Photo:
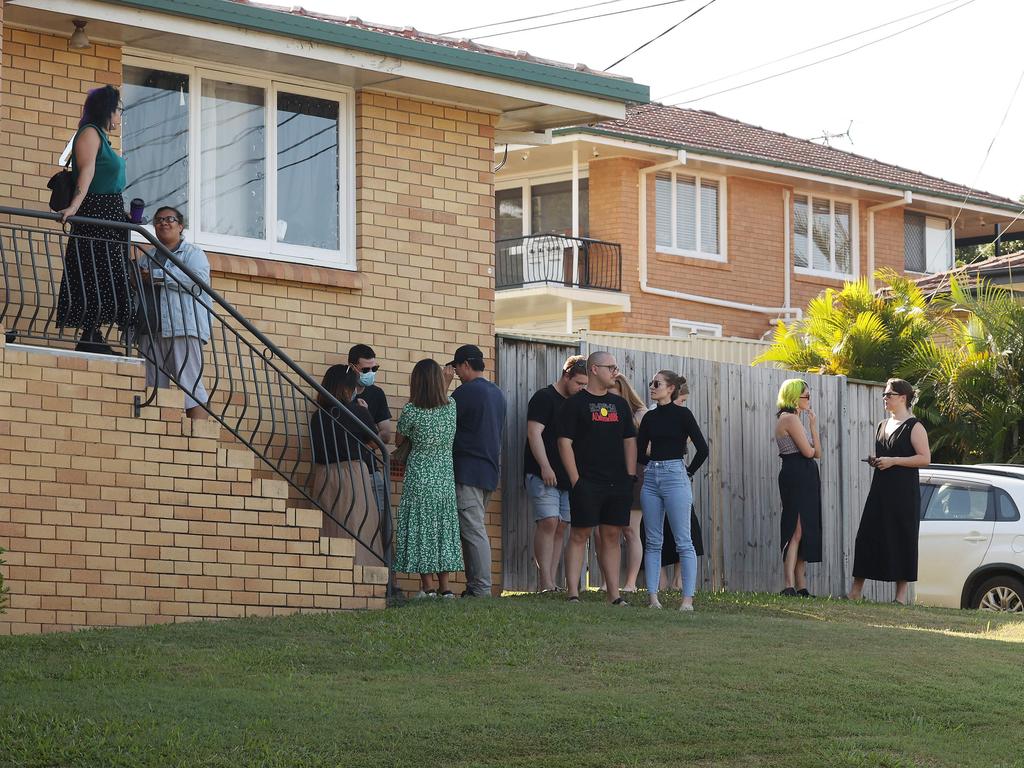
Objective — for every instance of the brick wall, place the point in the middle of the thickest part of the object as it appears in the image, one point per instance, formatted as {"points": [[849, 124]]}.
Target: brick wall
{"points": [[424, 217], [110, 519], [753, 274]]}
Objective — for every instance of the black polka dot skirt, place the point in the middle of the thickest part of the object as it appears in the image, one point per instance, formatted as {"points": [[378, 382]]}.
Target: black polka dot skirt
{"points": [[94, 290]]}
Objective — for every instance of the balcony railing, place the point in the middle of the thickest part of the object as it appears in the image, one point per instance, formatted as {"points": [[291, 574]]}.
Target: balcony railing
{"points": [[296, 428], [572, 262]]}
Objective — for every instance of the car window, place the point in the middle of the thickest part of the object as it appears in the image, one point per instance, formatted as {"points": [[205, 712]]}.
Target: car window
{"points": [[953, 501], [1006, 510], [926, 495]]}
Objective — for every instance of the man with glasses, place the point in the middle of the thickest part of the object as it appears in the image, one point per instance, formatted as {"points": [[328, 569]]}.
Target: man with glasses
{"points": [[547, 484], [480, 406], [363, 359], [597, 445]]}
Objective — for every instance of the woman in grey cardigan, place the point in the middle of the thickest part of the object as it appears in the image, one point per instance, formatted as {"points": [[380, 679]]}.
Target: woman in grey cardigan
{"points": [[174, 347]]}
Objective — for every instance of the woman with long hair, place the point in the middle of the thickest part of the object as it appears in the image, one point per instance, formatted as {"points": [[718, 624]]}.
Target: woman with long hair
{"points": [[341, 481], [428, 539], [799, 484], [631, 534], [667, 493], [886, 547], [94, 289]]}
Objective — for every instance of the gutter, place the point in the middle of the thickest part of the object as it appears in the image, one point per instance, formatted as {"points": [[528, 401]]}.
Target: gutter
{"points": [[907, 199], [787, 311]]}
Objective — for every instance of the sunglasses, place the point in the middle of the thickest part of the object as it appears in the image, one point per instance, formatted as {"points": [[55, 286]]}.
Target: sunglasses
{"points": [[655, 383], [612, 368], [165, 220], [805, 397], [373, 369], [889, 394]]}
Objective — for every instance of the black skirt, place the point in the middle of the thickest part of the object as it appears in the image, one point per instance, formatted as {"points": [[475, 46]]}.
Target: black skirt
{"points": [[800, 489], [94, 289]]}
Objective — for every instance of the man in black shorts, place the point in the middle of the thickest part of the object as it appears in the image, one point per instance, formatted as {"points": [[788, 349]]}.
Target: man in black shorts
{"points": [[597, 445]]}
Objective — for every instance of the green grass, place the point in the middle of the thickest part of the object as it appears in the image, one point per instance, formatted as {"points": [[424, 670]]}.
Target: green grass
{"points": [[748, 680]]}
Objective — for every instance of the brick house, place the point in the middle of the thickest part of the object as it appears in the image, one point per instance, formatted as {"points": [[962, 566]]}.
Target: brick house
{"points": [[776, 220], [340, 176]]}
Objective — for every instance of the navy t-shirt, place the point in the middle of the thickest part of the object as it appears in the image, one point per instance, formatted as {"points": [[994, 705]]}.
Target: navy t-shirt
{"points": [[480, 406], [544, 408], [597, 426]]}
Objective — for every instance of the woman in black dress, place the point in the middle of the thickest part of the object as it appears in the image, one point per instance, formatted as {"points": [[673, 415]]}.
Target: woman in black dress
{"points": [[799, 485], [886, 548]]}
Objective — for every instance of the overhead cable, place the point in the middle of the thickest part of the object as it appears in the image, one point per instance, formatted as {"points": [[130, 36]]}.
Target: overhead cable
{"points": [[581, 18], [678, 23], [531, 18]]}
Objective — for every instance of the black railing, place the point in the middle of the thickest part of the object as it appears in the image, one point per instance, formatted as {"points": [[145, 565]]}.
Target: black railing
{"points": [[140, 296], [573, 262]]}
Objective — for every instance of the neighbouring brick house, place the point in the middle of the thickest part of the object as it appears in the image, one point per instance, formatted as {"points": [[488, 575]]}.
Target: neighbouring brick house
{"points": [[716, 226], [387, 238]]}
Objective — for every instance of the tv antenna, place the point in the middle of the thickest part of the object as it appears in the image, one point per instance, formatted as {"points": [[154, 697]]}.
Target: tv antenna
{"points": [[827, 138]]}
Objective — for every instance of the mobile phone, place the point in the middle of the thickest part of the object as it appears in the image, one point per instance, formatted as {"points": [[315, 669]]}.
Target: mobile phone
{"points": [[868, 459]]}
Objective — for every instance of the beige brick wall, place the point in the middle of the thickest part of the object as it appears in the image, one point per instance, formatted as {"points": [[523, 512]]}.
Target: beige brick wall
{"points": [[753, 274], [424, 218], [112, 520]]}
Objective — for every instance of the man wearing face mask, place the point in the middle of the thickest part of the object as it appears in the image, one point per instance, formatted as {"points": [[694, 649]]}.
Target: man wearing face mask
{"points": [[364, 360]]}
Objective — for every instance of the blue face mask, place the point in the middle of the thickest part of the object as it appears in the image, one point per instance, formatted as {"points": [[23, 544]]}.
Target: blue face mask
{"points": [[367, 379]]}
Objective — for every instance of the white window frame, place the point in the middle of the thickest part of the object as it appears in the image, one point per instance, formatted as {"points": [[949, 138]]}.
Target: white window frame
{"points": [[526, 184], [694, 328], [268, 248], [833, 273], [723, 218], [952, 242]]}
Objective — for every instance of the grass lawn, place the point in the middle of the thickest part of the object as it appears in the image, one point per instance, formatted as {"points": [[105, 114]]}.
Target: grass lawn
{"points": [[747, 680]]}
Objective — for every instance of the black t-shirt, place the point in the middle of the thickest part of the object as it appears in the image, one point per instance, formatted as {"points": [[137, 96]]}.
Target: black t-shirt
{"points": [[341, 439], [376, 403], [545, 405], [666, 430], [597, 426]]}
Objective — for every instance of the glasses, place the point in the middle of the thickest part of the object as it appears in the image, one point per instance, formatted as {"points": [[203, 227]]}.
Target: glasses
{"points": [[655, 383], [165, 220], [370, 369], [805, 397], [612, 368], [887, 395]]}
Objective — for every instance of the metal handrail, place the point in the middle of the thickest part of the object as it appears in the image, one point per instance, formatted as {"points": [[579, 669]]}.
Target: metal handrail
{"points": [[266, 404], [553, 259]]}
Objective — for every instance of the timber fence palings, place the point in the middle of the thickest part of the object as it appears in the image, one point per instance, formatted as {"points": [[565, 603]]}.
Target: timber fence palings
{"points": [[736, 492]]}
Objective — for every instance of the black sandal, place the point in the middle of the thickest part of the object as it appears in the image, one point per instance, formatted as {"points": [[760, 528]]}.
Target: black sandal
{"points": [[573, 599], [619, 601]]}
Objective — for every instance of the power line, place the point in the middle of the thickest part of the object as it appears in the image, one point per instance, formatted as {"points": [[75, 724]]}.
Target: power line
{"points": [[826, 59], [581, 18], [806, 50], [991, 144], [531, 18], [678, 23]]}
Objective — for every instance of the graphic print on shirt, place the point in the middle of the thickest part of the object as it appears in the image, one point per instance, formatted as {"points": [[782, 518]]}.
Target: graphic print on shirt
{"points": [[604, 412]]}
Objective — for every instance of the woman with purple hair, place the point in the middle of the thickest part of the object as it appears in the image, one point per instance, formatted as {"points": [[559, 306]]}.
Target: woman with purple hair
{"points": [[94, 290]]}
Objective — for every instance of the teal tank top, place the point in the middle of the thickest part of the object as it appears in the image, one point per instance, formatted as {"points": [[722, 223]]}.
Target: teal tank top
{"points": [[110, 176]]}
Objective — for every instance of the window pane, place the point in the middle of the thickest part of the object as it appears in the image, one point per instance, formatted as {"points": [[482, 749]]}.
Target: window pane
{"points": [[913, 242], [307, 171], [800, 231], [709, 217], [1006, 510], [686, 213], [551, 208], [233, 159], [939, 257], [820, 237], [508, 213], [663, 209], [844, 245], [951, 502], [154, 134]]}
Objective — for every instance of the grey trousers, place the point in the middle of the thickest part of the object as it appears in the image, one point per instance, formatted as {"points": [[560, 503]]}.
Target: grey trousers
{"points": [[476, 547]]}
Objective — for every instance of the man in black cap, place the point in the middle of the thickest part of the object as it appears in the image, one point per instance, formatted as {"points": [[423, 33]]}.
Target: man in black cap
{"points": [[481, 423]]}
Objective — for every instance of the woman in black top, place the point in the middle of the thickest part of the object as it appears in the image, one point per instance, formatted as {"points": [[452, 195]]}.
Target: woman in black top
{"points": [[666, 491], [886, 548], [341, 483]]}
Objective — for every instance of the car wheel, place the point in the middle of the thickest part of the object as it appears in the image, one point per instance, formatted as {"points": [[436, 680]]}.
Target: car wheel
{"points": [[1000, 593]]}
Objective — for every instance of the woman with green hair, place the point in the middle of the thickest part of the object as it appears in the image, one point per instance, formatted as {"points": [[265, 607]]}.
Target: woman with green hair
{"points": [[799, 484]]}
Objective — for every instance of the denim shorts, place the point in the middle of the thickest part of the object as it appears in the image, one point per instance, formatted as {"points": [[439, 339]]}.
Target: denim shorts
{"points": [[546, 500]]}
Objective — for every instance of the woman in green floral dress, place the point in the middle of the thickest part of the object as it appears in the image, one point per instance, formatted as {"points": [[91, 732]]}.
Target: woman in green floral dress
{"points": [[428, 516]]}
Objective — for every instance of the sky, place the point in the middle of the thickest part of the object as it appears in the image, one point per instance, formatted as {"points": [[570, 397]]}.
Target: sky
{"points": [[931, 98]]}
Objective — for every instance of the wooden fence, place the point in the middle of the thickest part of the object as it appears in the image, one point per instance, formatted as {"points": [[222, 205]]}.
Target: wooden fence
{"points": [[736, 492]]}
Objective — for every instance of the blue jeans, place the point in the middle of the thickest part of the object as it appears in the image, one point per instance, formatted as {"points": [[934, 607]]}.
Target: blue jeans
{"points": [[667, 491]]}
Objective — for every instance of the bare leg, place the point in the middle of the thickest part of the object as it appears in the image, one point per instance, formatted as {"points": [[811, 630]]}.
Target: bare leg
{"points": [[543, 543], [634, 549], [558, 545], [610, 558], [442, 582], [425, 585], [574, 559], [792, 553], [600, 562], [857, 590], [196, 413], [801, 575], [902, 587]]}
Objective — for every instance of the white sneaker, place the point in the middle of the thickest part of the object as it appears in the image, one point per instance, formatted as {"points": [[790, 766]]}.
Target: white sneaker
{"points": [[655, 605], [686, 608], [420, 595]]}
